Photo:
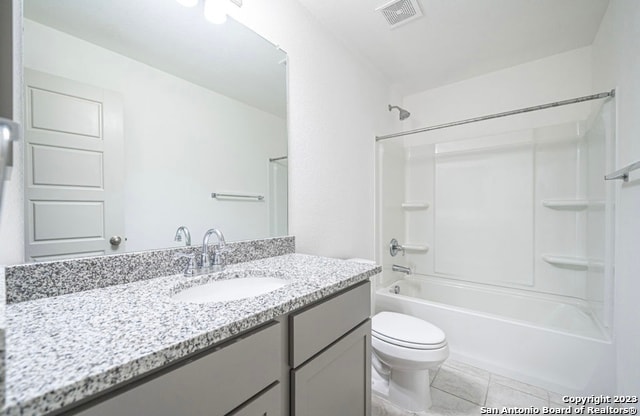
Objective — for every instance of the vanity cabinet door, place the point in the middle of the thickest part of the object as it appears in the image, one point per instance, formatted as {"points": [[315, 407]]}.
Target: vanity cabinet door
{"points": [[212, 385], [336, 381]]}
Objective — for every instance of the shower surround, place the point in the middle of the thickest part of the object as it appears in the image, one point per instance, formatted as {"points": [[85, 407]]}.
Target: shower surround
{"points": [[509, 234]]}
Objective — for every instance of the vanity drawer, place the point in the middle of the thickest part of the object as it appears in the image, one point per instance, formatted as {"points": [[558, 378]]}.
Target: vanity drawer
{"points": [[317, 326], [268, 403], [213, 384]]}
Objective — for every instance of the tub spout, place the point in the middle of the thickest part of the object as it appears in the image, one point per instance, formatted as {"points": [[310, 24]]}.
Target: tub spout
{"points": [[402, 269]]}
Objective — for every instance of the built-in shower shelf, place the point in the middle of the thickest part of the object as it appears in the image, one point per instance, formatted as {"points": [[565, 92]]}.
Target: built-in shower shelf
{"points": [[580, 263], [571, 204], [415, 247], [415, 205]]}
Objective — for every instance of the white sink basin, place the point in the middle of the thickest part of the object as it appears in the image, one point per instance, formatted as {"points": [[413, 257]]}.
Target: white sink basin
{"points": [[225, 290]]}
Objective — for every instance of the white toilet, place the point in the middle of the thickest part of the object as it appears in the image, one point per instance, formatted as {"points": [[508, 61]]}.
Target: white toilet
{"points": [[404, 349]]}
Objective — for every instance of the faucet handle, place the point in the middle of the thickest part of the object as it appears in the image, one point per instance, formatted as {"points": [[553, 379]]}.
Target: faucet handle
{"points": [[218, 255], [395, 247], [190, 268]]}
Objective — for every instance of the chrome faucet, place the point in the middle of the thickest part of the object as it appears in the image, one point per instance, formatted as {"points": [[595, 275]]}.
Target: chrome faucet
{"points": [[212, 262], [402, 269], [208, 263], [183, 231]]}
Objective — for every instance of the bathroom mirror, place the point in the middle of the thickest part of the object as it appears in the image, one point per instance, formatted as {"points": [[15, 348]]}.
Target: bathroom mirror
{"points": [[197, 109]]}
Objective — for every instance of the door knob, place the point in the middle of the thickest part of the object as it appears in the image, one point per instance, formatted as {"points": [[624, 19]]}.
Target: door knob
{"points": [[115, 240]]}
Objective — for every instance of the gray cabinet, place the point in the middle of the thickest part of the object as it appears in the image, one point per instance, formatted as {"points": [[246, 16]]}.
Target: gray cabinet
{"points": [[212, 385], [338, 380], [316, 361], [267, 403], [313, 328], [331, 356]]}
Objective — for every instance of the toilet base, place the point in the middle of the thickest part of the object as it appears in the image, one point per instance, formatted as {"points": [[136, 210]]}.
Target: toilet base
{"points": [[408, 390]]}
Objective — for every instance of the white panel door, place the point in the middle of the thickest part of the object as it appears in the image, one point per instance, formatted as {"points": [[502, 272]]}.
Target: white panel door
{"points": [[74, 169]]}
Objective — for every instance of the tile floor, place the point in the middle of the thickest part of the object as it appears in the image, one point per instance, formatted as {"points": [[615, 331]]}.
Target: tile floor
{"points": [[460, 389]]}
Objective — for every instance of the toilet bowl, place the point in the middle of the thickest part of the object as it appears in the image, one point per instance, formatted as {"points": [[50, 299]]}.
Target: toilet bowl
{"points": [[404, 349]]}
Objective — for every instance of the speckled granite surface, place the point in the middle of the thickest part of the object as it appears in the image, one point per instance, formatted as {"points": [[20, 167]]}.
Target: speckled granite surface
{"points": [[65, 348], [40, 280]]}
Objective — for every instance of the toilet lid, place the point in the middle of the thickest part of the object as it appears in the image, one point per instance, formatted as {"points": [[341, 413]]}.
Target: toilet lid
{"points": [[406, 331]]}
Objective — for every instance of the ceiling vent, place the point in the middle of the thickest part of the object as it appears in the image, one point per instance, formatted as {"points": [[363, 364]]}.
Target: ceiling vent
{"points": [[399, 12]]}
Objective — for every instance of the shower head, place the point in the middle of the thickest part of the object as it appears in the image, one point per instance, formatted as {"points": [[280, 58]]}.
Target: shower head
{"points": [[404, 114]]}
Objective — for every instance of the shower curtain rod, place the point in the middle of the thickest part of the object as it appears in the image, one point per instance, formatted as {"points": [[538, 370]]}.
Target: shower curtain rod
{"points": [[599, 96]]}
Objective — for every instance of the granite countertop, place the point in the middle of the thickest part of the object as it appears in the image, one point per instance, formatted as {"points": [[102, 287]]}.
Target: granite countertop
{"points": [[65, 348]]}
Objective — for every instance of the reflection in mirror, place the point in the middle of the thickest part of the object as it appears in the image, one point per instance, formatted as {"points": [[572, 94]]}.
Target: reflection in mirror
{"points": [[135, 114]]}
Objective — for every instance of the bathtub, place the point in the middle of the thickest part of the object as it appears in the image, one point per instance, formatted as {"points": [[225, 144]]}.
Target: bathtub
{"points": [[540, 340]]}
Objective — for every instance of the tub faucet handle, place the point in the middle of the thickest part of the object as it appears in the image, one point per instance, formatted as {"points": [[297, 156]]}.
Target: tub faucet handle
{"points": [[395, 247]]}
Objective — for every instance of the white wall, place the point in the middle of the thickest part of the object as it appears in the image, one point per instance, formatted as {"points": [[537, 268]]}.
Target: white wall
{"points": [[616, 64], [554, 78], [337, 104], [182, 142]]}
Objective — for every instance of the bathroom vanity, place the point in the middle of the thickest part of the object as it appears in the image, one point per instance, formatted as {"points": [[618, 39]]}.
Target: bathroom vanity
{"points": [[328, 362], [131, 348]]}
